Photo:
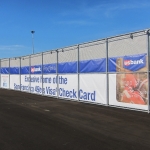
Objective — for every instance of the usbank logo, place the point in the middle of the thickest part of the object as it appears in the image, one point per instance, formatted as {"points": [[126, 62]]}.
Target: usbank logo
{"points": [[134, 62], [35, 69]]}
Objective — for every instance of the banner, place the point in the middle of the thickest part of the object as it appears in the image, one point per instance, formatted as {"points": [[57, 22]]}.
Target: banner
{"points": [[36, 83], [25, 84], [14, 70], [5, 81], [94, 65], [67, 67], [85, 66], [49, 68], [5, 70], [129, 63], [50, 85], [93, 88], [68, 86], [129, 90], [25, 70], [15, 82]]}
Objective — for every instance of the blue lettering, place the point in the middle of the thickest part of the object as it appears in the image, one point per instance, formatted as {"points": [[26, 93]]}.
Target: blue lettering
{"points": [[87, 95], [38, 89], [67, 93], [50, 91]]}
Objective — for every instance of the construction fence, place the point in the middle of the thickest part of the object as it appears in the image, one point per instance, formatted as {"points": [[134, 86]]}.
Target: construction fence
{"points": [[112, 71]]}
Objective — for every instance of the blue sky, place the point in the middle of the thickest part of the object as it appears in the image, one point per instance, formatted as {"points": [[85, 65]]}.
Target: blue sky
{"points": [[61, 23]]}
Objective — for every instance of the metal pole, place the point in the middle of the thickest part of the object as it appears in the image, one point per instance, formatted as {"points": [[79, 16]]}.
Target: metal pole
{"points": [[9, 73], [78, 69], [57, 77], [33, 41], [42, 74], [20, 72], [0, 72], [107, 75], [30, 73], [148, 69]]}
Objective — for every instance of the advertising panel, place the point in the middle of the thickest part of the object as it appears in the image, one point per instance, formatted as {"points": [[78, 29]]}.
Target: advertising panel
{"points": [[25, 84], [131, 63], [35, 79], [5, 81], [15, 82], [36, 83], [129, 90], [68, 86], [67, 67], [50, 85], [93, 65], [93, 88]]}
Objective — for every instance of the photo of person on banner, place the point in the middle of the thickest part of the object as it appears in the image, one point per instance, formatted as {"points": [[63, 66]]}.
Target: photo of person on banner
{"points": [[132, 88]]}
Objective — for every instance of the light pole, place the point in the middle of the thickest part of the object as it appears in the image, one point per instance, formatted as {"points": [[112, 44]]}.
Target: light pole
{"points": [[33, 40]]}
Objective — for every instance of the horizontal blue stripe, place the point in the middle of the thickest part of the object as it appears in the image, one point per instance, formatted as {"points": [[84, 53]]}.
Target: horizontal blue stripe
{"points": [[49, 68], [112, 64], [131, 62], [96, 65], [67, 67], [14, 70], [25, 70], [5, 70]]}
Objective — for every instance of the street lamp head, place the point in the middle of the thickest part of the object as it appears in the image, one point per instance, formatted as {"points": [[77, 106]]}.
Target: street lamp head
{"points": [[32, 32]]}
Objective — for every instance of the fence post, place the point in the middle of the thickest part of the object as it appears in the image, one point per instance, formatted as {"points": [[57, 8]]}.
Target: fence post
{"points": [[0, 72], [9, 73], [42, 74], [78, 69], [148, 69], [57, 76], [20, 72], [30, 71], [107, 75]]}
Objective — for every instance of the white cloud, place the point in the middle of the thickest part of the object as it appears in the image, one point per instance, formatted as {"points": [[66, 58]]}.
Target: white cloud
{"points": [[11, 47], [7, 51]]}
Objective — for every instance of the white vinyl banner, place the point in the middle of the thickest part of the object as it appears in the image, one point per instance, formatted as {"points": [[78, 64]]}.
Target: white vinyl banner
{"points": [[93, 88], [50, 85], [15, 82], [122, 94], [36, 83], [5, 81], [25, 84], [68, 86]]}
